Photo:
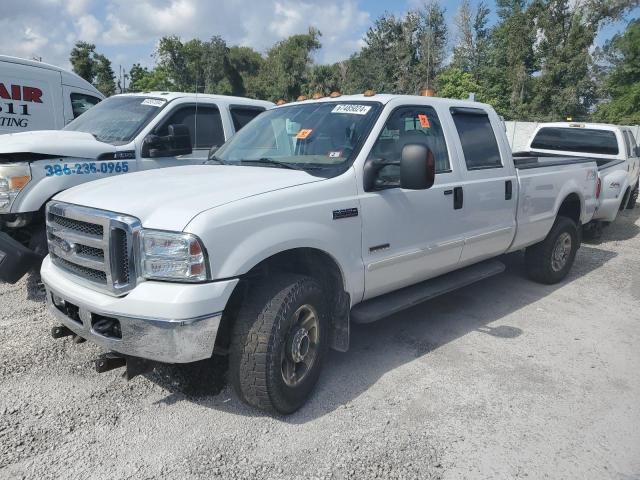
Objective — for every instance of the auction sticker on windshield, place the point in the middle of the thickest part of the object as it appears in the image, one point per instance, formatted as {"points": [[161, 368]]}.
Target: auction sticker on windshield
{"points": [[154, 102], [352, 109]]}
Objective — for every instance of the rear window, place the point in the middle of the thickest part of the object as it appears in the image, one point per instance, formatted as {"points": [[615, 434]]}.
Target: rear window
{"points": [[241, 115], [478, 140], [583, 140]]}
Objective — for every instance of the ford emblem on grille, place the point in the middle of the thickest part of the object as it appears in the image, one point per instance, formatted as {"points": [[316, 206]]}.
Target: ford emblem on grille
{"points": [[65, 246]]}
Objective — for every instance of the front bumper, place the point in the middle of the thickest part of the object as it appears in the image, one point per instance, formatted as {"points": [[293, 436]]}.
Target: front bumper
{"points": [[15, 259], [180, 323]]}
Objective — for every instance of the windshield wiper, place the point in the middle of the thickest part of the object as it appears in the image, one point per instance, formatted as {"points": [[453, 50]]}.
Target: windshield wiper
{"points": [[271, 161], [213, 159]]}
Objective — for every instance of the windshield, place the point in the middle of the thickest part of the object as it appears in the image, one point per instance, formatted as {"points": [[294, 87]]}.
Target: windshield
{"points": [[117, 120], [307, 136], [581, 140]]}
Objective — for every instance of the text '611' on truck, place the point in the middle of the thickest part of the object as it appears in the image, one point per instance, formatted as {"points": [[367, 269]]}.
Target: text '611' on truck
{"points": [[316, 214]]}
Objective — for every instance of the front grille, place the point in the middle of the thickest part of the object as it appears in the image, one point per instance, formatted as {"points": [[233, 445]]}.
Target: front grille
{"points": [[90, 252], [94, 245], [77, 225], [85, 272]]}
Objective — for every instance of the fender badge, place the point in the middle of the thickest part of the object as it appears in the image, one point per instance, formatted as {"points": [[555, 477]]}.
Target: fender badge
{"points": [[345, 213]]}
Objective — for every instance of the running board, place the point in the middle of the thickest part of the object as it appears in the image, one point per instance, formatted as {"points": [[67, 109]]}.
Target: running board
{"points": [[390, 303]]}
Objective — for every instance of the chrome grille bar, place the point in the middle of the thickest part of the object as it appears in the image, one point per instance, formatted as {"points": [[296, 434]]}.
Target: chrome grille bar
{"points": [[96, 246]]}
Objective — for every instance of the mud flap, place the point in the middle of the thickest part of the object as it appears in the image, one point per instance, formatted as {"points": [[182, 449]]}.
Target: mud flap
{"points": [[15, 259]]}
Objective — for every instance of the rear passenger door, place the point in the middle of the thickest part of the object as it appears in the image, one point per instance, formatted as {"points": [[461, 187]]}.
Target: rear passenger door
{"points": [[204, 123], [488, 193]]}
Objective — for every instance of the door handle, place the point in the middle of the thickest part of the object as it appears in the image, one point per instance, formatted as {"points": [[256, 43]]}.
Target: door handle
{"points": [[458, 198], [508, 190]]}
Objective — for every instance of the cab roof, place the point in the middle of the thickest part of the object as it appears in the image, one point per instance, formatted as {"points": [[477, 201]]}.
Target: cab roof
{"points": [[170, 96], [595, 126], [385, 98]]}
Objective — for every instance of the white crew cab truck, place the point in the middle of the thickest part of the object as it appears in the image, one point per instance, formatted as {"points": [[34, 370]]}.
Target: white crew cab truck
{"points": [[124, 133], [613, 147], [39, 96], [316, 214]]}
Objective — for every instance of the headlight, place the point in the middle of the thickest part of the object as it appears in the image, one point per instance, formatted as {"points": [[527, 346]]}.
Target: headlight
{"points": [[172, 256], [13, 178]]}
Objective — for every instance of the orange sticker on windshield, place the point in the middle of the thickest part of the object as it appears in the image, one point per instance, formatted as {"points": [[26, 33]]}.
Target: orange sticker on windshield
{"points": [[424, 121], [304, 133]]}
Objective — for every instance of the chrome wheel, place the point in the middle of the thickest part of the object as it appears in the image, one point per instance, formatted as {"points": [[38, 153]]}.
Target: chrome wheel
{"points": [[301, 346], [561, 252]]}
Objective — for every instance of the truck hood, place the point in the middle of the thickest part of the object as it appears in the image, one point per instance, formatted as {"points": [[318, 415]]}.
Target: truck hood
{"points": [[169, 198], [50, 143]]}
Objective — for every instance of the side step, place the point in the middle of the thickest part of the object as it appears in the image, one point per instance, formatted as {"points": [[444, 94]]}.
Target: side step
{"points": [[390, 303]]}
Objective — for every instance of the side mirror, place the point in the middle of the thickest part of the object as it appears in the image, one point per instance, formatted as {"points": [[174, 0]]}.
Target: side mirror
{"points": [[178, 142], [417, 167]]}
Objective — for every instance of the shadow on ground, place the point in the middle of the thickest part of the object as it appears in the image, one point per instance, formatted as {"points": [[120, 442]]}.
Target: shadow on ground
{"points": [[381, 347]]}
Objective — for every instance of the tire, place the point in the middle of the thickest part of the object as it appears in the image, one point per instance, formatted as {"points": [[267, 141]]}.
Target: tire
{"points": [[549, 261], [633, 198], [38, 243], [270, 342]]}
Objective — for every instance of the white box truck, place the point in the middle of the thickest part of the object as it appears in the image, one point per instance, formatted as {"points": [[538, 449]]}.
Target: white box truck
{"points": [[39, 96]]}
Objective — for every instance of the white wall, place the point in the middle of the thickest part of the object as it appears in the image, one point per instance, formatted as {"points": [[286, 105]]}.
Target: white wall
{"points": [[519, 133]]}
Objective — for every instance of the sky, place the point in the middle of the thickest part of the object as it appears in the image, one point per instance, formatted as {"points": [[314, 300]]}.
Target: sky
{"points": [[126, 31]]}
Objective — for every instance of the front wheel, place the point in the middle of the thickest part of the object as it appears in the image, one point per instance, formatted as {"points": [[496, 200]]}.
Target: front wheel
{"points": [[550, 260], [278, 343]]}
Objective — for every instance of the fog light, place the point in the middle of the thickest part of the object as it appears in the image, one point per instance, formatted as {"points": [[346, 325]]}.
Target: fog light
{"points": [[57, 301]]}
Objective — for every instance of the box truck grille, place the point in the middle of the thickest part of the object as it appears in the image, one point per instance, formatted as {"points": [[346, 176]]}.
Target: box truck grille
{"points": [[94, 245]]}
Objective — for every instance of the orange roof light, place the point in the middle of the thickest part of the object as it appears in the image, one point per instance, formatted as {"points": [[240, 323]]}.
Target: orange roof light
{"points": [[301, 98], [317, 95], [280, 102], [335, 94], [369, 93], [427, 92]]}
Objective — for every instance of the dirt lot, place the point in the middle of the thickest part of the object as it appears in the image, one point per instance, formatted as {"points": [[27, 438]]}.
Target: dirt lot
{"points": [[505, 379]]}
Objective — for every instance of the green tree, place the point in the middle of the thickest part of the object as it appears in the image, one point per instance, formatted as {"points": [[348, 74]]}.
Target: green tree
{"points": [[285, 70], [141, 79], [566, 85], [470, 52], [104, 78], [82, 61], [93, 67], [622, 83], [432, 37], [456, 83], [244, 63]]}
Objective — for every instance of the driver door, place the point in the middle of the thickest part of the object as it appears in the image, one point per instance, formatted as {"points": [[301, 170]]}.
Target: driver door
{"points": [[205, 128], [410, 235]]}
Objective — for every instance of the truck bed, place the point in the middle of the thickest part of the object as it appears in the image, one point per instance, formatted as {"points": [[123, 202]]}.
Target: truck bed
{"points": [[526, 160]]}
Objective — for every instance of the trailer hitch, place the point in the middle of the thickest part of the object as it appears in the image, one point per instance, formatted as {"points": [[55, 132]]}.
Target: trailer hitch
{"points": [[134, 366]]}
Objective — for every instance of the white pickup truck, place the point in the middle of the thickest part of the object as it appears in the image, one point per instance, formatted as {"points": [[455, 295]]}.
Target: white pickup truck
{"points": [[613, 147], [316, 214], [124, 133]]}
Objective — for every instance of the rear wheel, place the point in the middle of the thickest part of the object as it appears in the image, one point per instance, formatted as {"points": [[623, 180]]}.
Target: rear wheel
{"points": [[633, 198], [550, 260], [278, 343]]}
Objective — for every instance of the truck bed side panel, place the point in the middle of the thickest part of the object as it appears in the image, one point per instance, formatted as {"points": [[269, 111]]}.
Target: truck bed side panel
{"points": [[542, 192]]}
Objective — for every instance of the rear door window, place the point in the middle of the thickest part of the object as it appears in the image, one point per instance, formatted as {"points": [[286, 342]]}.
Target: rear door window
{"points": [[582, 140], [477, 137], [243, 115]]}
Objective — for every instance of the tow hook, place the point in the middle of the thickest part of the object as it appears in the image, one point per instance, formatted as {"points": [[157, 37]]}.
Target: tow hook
{"points": [[133, 366], [61, 332]]}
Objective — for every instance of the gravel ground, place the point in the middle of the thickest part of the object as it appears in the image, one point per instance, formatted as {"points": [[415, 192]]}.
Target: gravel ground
{"points": [[504, 379]]}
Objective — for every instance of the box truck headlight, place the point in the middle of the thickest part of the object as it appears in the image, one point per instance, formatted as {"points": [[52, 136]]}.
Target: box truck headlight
{"points": [[172, 256], [13, 178]]}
